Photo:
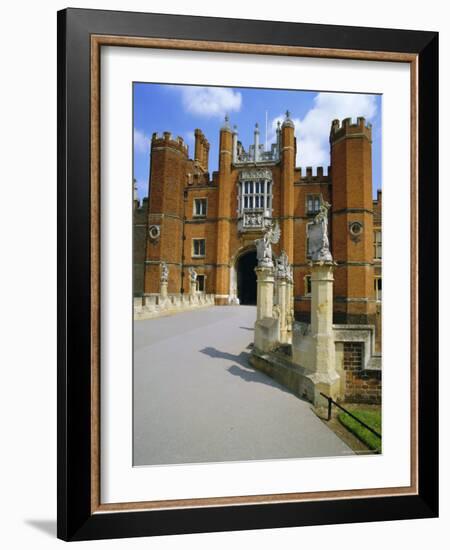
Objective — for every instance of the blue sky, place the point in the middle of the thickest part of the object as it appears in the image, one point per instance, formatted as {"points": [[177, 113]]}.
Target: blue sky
{"points": [[181, 109]]}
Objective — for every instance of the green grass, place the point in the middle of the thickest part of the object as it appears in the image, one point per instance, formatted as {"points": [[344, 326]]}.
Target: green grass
{"points": [[372, 418]]}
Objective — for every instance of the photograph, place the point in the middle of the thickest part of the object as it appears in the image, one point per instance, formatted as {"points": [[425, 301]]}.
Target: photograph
{"points": [[247, 271], [257, 273]]}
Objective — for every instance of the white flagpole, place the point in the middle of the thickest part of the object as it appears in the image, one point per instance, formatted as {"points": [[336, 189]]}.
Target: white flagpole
{"points": [[266, 132]]}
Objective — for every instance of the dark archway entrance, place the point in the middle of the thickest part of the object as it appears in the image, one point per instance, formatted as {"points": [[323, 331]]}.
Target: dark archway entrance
{"points": [[246, 278]]}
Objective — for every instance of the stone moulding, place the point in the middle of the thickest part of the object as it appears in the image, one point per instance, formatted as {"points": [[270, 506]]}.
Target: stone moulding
{"points": [[155, 305], [255, 175], [360, 333], [364, 334]]}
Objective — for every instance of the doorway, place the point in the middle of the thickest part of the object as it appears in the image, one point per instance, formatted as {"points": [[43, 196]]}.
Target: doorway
{"points": [[246, 278]]}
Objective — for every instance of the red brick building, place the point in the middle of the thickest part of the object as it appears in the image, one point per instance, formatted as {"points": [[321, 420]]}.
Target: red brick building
{"points": [[210, 222]]}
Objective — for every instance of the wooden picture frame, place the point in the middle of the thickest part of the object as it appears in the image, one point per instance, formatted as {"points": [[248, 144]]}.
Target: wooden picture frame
{"points": [[81, 35]]}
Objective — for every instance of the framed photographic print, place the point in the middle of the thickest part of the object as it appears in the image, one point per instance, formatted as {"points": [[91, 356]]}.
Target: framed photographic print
{"points": [[247, 274]]}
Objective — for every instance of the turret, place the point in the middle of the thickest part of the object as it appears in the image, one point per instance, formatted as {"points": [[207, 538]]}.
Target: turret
{"points": [[224, 212], [256, 142], [235, 144], [225, 145], [287, 185], [352, 221], [278, 136]]}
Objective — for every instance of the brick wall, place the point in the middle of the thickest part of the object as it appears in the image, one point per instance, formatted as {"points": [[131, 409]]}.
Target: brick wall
{"points": [[361, 385], [377, 219], [139, 244]]}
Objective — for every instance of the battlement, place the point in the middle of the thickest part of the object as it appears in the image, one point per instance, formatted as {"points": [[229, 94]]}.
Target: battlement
{"points": [[166, 140], [201, 155], [199, 179], [377, 208], [349, 128], [313, 175], [201, 137]]}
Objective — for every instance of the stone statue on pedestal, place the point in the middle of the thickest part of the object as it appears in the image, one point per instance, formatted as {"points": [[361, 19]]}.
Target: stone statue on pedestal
{"points": [[282, 267], [163, 281], [289, 273], [164, 272], [318, 243], [264, 245], [192, 282], [192, 275]]}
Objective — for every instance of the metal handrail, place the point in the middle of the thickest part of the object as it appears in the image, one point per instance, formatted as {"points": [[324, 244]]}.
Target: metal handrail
{"points": [[332, 402]]}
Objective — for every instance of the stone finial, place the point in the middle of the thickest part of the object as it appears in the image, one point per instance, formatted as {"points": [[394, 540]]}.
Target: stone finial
{"points": [[336, 123], [226, 124], [287, 121]]}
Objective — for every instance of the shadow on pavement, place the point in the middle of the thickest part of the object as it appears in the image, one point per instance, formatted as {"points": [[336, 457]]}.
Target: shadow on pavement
{"points": [[249, 374], [242, 358], [255, 376]]}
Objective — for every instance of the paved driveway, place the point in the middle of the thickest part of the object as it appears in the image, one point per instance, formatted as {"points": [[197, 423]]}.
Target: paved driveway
{"points": [[197, 399]]}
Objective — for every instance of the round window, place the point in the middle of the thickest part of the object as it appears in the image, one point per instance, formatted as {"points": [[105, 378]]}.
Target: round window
{"points": [[356, 228], [154, 232]]}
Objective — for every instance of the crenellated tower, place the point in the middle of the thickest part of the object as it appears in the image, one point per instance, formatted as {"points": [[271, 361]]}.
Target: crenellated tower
{"points": [[165, 211], [352, 221]]}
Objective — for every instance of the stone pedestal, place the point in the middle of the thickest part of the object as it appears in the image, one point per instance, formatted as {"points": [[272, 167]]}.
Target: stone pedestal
{"points": [[193, 288], [290, 306], [267, 334], [264, 300], [282, 302], [323, 359], [163, 290]]}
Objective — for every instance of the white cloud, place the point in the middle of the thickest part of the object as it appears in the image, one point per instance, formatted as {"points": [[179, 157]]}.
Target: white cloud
{"points": [[141, 142], [312, 132], [210, 102]]}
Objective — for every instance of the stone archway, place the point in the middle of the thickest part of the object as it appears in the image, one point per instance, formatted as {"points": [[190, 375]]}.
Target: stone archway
{"points": [[246, 277]]}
